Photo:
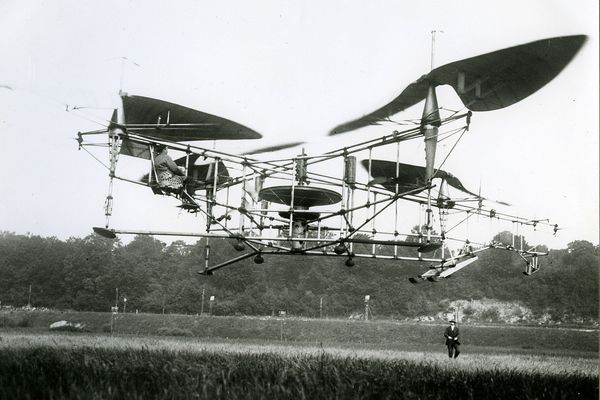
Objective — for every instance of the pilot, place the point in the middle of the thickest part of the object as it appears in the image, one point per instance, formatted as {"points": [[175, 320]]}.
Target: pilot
{"points": [[451, 335], [170, 177]]}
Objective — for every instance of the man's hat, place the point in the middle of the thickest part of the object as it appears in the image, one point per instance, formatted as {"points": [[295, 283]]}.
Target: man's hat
{"points": [[452, 321]]}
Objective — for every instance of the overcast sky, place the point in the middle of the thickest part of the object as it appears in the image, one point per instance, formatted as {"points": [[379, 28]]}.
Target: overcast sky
{"points": [[289, 70]]}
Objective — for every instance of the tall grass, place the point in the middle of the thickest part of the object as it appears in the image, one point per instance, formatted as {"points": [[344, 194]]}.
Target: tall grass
{"points": [[206, 357], [555, 364], [42, 372]]}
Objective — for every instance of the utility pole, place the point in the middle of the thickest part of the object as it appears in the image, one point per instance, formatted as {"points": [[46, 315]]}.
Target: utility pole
{"points": [[282, 315], [114, 311], [202, 307], [367, 298], [321, 308], [29, 300]]}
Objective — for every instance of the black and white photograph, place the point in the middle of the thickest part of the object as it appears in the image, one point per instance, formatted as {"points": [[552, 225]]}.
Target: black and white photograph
{"points": [[299, 199]]}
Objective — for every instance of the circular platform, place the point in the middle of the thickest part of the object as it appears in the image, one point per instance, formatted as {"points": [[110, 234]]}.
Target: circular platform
{"points": [[304, 196]]}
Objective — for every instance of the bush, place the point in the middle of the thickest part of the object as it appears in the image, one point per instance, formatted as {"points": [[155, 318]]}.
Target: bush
{"points": [[492, 314], [468, 311]]}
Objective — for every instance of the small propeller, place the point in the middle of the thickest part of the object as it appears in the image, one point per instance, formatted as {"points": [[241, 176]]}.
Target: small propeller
{"points": [[480, 198], [502, 203], [555, 229]]}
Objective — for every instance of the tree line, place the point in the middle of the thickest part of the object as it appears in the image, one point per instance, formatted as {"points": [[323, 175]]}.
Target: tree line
{"points": [[83, 274]]}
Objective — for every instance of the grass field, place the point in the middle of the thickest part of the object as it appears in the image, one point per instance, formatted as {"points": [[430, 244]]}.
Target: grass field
{"points": [[354, 360], [386, 334], [92, 366]]}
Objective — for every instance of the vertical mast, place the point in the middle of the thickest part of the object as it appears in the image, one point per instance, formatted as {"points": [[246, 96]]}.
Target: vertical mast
{"points": [[115, 130], [430, 121]]}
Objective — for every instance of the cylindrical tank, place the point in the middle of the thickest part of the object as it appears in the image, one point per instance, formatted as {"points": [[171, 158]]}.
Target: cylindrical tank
{"points": [[350, 171], [298, 230], [301, 170]]}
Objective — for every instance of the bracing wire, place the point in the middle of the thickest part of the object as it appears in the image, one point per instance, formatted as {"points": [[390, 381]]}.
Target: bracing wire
{"points": [[464, 129], [469, 215], [104, 123], [95, 158]]}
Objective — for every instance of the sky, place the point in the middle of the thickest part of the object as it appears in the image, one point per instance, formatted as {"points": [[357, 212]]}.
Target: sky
{"points": [[291, 70]]}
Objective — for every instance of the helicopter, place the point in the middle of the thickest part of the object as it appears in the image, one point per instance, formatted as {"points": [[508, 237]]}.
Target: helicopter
{"points": [[317, 205]]}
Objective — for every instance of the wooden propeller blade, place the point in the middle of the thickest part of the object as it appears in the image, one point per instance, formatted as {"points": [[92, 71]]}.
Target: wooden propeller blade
{"points": [[273, 148], [487, 82]]}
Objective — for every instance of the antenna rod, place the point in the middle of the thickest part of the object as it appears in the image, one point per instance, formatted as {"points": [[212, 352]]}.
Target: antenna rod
{"points": [[433, 48]]}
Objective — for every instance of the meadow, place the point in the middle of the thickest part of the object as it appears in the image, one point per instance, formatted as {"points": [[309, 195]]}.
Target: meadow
{"points": [[389, 334], [191, 357]]}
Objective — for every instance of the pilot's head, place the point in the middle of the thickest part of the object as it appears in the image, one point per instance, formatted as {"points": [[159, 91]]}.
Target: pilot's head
{"points": [[159, 148]]}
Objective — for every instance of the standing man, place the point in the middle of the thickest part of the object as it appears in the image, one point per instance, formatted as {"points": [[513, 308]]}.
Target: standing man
{"points": [[451, 335]]}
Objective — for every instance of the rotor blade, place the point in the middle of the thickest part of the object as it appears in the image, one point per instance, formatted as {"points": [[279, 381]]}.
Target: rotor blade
{"points": [[164, 120], [454, 182], [487, 82], [411, 95], [503, 203], [144, 178], [104, 232], [192, 159], [205, 172], [479, 196], [273, 148], [457, 184], [408, 176], [198, 174], [501, 78], [380, 180], [383, 172]]}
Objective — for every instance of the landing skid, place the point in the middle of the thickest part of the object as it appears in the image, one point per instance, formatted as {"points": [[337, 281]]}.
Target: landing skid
{"points": [[531, 257], [531, 266], [444, 270]]}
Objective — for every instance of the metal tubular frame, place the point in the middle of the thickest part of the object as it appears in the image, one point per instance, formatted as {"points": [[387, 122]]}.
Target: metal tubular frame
{"points": [[285, 168]]}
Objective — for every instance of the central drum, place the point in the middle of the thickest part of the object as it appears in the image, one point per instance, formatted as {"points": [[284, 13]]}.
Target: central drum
{"points": [[304, 197]]}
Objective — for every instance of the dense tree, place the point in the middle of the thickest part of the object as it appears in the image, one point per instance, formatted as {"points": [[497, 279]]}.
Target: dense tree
{"points": [[83, 274]]}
